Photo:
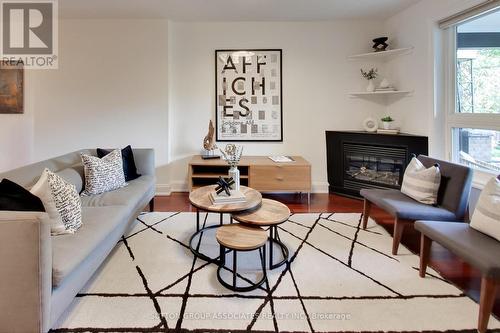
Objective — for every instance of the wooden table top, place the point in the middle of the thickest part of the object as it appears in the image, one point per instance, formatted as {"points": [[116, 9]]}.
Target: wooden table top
{"points": [[240, 237], [250, 160], [270, 212], [200, 199]]}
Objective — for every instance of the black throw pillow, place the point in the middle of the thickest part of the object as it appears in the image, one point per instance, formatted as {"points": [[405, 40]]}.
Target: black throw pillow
{"points": [[17, 198], [129, 168]]}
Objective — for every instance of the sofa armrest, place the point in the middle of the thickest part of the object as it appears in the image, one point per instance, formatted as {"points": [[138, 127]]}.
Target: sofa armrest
{"points": [[145, 161], [25, 271]]}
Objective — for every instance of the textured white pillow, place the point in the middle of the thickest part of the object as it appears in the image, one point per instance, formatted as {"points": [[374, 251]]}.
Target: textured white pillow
{"points": [[61, 201], [42, 190], [103, 174], [486, 217], [421, 183]]}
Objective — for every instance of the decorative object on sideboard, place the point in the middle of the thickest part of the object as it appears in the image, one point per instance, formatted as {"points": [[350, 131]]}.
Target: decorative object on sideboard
{"points": [[379, 44], [387, 122], [248, 101], [224, 185], [232, 155], [11, 87], [209, 145], [370, 124], [371, 75]]}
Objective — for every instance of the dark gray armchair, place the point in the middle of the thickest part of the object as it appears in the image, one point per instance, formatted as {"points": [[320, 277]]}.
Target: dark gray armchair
{"points": [[452, 204]]}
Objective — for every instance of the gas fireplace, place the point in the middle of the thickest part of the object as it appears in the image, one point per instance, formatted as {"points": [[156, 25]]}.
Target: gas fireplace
{"points": [[359, 160]]}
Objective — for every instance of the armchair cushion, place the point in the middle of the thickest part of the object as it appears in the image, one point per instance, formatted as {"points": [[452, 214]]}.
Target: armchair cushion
{"points": [[478, 249], [401, 206]]}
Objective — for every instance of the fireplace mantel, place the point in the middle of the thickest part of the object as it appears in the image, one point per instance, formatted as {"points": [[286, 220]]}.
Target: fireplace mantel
{"points": [[359, 160]]}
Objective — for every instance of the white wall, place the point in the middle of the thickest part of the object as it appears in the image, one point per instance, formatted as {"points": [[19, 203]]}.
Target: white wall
{"points": [[16, 132], [111, 89], [316, 80], [422, 70]]}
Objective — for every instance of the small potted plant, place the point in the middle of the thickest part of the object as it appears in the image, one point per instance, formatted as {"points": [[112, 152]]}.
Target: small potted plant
{"points": [[370, 76], [387, 122]]}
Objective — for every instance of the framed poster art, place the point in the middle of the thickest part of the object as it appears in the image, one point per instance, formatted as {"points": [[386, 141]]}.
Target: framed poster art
{"points": [[248, 88]]}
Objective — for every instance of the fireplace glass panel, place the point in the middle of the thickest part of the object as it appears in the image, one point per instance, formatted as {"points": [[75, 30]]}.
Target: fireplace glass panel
{"points": [[374, 169]]}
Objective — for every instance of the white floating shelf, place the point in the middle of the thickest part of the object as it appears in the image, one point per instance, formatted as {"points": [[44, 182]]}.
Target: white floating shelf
{"points": [[382, 55], [384, 93]]}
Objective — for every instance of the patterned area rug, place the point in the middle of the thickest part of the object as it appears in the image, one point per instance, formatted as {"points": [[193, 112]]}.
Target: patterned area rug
{"points": [[341, 279]]}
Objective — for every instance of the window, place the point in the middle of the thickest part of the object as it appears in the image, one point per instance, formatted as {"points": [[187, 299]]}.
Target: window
{"points": [[474, 120]]}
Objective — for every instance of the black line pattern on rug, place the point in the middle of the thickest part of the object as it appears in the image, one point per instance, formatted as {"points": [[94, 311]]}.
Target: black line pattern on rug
{"points": [[358, 242], [280, 278], [301, 301], [351, 226], [144, 229], [244, 296], [153, 298], [163, 326], [190, 277], [345, 264], [353, 243]]}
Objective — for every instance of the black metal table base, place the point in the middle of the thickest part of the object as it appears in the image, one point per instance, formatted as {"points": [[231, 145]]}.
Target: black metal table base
{"points": [[274, 238], [234, 270], [195, 248]]}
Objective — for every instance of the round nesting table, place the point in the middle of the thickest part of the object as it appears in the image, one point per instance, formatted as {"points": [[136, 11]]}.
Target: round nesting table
{"points": [[270, 214], [200, 199], [238, 238]]}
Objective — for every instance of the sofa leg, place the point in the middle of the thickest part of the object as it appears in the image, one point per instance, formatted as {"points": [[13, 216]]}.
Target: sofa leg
{"points": [[366, 212], [399, 226], [425, 251], [487, 299], [152, 205]]}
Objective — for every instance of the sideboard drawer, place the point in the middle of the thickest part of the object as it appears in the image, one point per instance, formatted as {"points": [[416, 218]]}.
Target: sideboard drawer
{"points": [[280, 178]]}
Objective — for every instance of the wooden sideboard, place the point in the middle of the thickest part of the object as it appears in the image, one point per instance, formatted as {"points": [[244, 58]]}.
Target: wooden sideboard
{"points": [[258, 172]]}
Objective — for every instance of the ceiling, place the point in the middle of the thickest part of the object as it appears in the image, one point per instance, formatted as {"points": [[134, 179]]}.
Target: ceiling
{"points": [[233, 10]]}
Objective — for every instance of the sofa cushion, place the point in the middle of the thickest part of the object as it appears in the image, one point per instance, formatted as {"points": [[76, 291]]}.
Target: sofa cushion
{"points": [[404, 207], [73, 175], [131, 195], [478, 249], [70, 250]]}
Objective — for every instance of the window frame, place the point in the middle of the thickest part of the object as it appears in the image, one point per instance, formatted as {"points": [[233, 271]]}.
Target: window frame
{"points": [[454, 119]]}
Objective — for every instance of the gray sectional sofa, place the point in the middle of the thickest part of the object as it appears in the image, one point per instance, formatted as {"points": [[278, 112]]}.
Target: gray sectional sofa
{"points": [[40, 274]]}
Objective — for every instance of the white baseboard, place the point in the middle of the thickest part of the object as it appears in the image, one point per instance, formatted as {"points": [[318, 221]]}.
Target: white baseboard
{"points": [[180, 186], [163, 189]]}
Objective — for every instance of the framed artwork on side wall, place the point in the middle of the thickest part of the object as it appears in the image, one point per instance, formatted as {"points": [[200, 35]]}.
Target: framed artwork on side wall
{"points": [[248, 95], [11, 88]]}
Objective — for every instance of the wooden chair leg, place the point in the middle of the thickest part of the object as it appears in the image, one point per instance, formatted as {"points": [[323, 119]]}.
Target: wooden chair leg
{"points": [[399, 226], [366, 212], [152, 205], [487, 299], [425, 251]]}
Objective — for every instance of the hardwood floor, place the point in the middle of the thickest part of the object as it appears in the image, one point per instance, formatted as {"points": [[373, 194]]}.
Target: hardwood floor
{"points": [[451, 267]]}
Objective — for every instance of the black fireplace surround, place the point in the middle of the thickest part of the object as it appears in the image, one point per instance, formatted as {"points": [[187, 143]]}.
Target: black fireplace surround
{"points": [[359, 160]]}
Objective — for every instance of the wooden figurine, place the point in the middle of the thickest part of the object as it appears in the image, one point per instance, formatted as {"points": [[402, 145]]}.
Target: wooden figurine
{"points": [[209, 142]]}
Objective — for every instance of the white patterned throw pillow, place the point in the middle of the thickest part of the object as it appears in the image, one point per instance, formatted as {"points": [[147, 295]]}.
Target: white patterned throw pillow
{"points": [[103, 174], [421, 183], [61, 202], [43, 190], [486, 216]]}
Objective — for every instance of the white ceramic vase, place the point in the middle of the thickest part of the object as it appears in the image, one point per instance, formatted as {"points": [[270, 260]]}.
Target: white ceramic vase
{"points": [[387, 125], [371, 86], [235, 174]]}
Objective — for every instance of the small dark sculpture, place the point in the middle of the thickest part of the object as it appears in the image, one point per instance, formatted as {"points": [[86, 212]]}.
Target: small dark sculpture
{"points": [[224, 185], [380, 44]]}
